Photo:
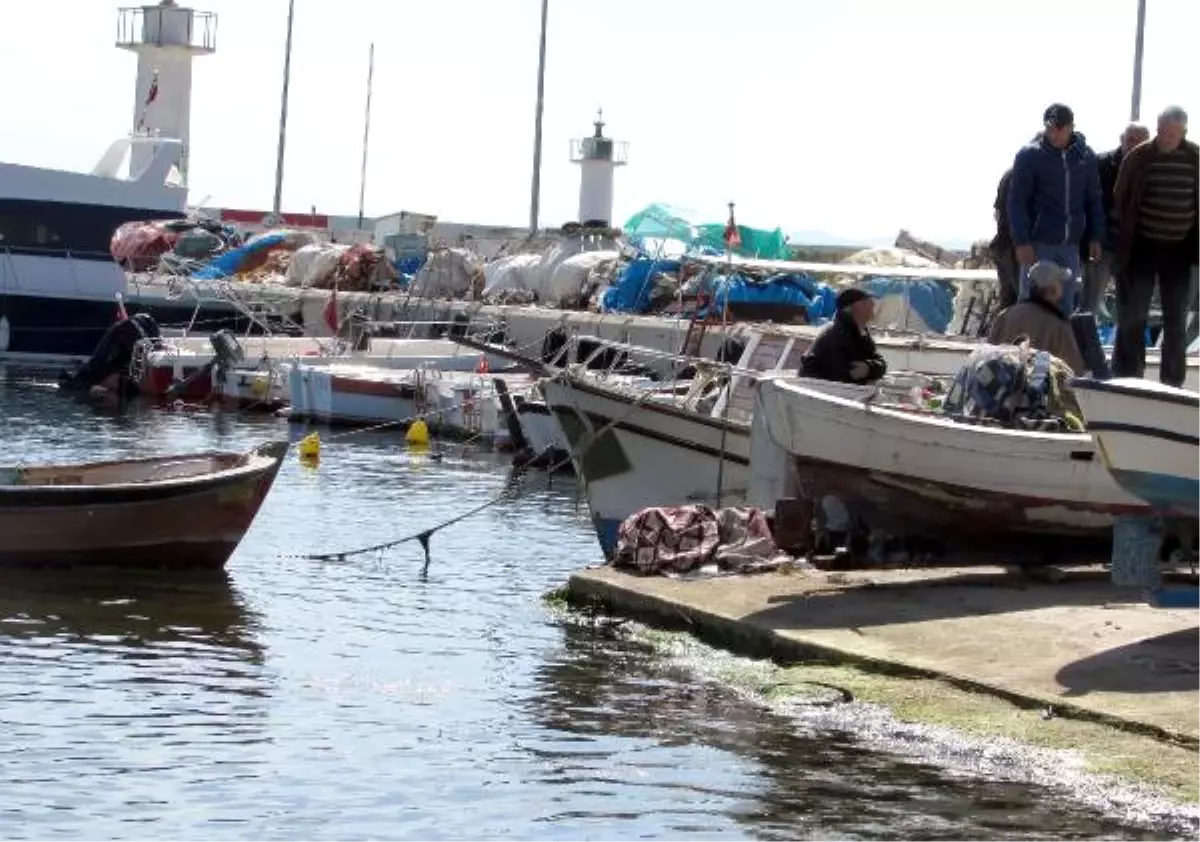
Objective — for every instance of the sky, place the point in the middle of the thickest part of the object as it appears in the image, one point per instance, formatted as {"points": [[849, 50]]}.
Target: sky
{"points": [[856, 118]]}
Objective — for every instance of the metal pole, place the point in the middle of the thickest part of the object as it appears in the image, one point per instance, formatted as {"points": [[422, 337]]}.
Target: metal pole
{"points": [[536, 189], [287, 73], [1135, 109], [362, 180]]}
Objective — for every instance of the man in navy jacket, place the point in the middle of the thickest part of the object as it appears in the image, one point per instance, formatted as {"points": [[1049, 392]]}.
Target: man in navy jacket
{"points": [[1054, 201]]}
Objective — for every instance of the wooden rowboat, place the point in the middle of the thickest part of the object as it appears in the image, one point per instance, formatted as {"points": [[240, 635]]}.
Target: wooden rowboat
{"points": [[177, 512]]}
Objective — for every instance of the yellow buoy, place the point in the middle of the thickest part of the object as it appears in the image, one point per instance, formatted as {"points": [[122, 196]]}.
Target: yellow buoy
{"points": [[310, 447], [418, 433], [260, 385]]}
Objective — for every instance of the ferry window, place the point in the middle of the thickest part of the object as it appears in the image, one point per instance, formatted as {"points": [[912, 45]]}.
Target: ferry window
{"points": [[18, 232]]}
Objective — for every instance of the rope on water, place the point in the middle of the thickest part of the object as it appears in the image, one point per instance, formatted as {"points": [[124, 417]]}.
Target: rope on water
{"points": [[424, 536]]}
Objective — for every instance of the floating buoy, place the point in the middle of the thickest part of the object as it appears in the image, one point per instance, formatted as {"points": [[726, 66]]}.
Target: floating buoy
{"points": [[418, 433], [260, 385], [482, 367], [310, 447]]}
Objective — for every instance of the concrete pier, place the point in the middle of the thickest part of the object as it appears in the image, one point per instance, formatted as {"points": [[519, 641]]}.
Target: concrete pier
{"points": [[1078, 647]]}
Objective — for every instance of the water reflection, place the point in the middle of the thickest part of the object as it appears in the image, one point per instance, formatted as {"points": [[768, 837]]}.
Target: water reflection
{"points": [[155, 613], [622, 714]]}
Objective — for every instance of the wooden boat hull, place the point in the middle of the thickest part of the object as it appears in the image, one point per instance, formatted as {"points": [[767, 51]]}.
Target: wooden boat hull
{"points": [[959, 485], [1147, 436], [180, 522]]}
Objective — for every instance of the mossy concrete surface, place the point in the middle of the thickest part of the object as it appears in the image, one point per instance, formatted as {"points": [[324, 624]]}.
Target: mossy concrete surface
{"points": [[1079, 648]]}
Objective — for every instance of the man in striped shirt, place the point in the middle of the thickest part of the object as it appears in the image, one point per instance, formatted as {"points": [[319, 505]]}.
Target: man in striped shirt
{"points": [[1156, 204]]}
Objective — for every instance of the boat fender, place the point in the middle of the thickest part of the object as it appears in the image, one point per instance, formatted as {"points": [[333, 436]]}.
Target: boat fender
{"points": [[418, 433], [309, 448]]}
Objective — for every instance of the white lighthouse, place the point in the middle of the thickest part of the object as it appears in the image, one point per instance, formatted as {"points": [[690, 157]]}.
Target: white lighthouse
{"points": [[598, 158], [166, 37]]}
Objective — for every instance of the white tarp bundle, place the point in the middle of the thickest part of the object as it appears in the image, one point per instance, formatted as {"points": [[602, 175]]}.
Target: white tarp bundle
{"points": [[515, 272], [567, 278], [314, 263], [447, 273]]}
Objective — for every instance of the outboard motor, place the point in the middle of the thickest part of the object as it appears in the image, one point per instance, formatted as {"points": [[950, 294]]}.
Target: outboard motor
{"points": [[229, 353], [113, 353]]}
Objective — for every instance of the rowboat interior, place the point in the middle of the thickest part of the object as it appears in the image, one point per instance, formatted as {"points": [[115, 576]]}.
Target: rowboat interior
{"points": [[124, 472]]}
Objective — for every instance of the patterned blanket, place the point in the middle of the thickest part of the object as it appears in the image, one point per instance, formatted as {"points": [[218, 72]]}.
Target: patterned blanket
{"points": [[674, 540]]}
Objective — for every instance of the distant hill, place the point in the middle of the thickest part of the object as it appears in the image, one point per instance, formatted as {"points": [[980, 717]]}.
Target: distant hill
{"points": [[817, 237]]}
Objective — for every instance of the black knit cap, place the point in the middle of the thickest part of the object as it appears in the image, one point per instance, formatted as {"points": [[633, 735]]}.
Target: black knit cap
{"points": [[1059, 116], [853, 295]]}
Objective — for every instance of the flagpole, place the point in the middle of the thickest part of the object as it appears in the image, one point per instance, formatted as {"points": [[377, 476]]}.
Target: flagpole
{"points": [[362, 179], [536, 186], [1135, 109], [287, 73]]}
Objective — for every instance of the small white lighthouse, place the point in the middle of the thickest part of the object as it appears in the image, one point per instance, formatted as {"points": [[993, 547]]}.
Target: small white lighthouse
{"points": [[166, 37], [598, 158]]}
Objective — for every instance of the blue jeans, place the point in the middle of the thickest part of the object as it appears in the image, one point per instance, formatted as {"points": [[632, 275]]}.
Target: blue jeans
{"points": [[1067, 256]]}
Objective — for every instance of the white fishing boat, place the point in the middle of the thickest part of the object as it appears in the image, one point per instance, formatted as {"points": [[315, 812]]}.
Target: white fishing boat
{"points": [[906, 472], [169, 361], [636, 445], [544, 437], [1147, 436], [457, 403]]}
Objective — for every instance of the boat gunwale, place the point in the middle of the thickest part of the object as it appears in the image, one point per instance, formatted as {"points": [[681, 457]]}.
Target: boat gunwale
{"points": [[932, 420], [255, 461]]}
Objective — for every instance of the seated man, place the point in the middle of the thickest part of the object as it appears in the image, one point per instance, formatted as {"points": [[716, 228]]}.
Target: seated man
{"points": [[1039, 319], [844, 350]]}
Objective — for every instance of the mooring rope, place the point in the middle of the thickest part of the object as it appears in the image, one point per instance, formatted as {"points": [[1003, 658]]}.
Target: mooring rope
{"points": [[423, 536]]}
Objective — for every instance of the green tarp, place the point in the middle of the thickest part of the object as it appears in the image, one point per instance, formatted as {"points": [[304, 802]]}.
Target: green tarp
{"points": [[659, 221]]}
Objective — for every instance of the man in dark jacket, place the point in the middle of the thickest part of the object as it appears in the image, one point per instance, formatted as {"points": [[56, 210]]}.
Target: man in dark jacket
{"points": [[1054, 204], [1097, 273], [844, 350], [1157, 210], [1001, 246]]}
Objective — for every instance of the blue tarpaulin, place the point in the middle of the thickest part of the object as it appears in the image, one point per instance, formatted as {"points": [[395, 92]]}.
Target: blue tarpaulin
{"points": [[932, 300], [229, 262], [817, 298], [632, 290]]}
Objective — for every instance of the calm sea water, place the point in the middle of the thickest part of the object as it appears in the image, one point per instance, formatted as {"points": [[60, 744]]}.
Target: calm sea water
{"points": [[356, 699]]}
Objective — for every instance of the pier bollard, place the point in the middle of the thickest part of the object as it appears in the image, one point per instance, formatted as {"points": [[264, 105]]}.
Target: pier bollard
{"points": [[1137, 540]]}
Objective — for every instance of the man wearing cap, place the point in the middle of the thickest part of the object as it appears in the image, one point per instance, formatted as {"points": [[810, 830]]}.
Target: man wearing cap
{"points": [[1039, 318], [844, 350], [1054, 203], [1155, 203], [1097, 273]]}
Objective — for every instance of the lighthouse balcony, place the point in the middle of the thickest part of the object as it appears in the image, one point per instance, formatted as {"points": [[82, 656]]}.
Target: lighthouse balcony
{"points": [[600, 149], [167, 25]]}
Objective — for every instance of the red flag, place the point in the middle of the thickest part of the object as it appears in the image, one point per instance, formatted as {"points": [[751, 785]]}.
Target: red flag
{"points": [[733, 238], [151, 95], [331, 312]]}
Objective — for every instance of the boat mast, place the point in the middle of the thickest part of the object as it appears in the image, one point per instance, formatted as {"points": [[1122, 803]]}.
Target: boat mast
{"points": [[536, 187], [287, 73], [1135, 110], [362, 179]]}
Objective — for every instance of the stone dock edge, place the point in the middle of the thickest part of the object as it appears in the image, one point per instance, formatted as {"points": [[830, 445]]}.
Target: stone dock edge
{"points": [[585, 591]]}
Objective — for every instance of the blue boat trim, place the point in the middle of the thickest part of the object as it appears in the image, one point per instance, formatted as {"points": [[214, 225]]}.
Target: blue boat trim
{"points": [[1141, 430], [1162, 491], [606, 533]]}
